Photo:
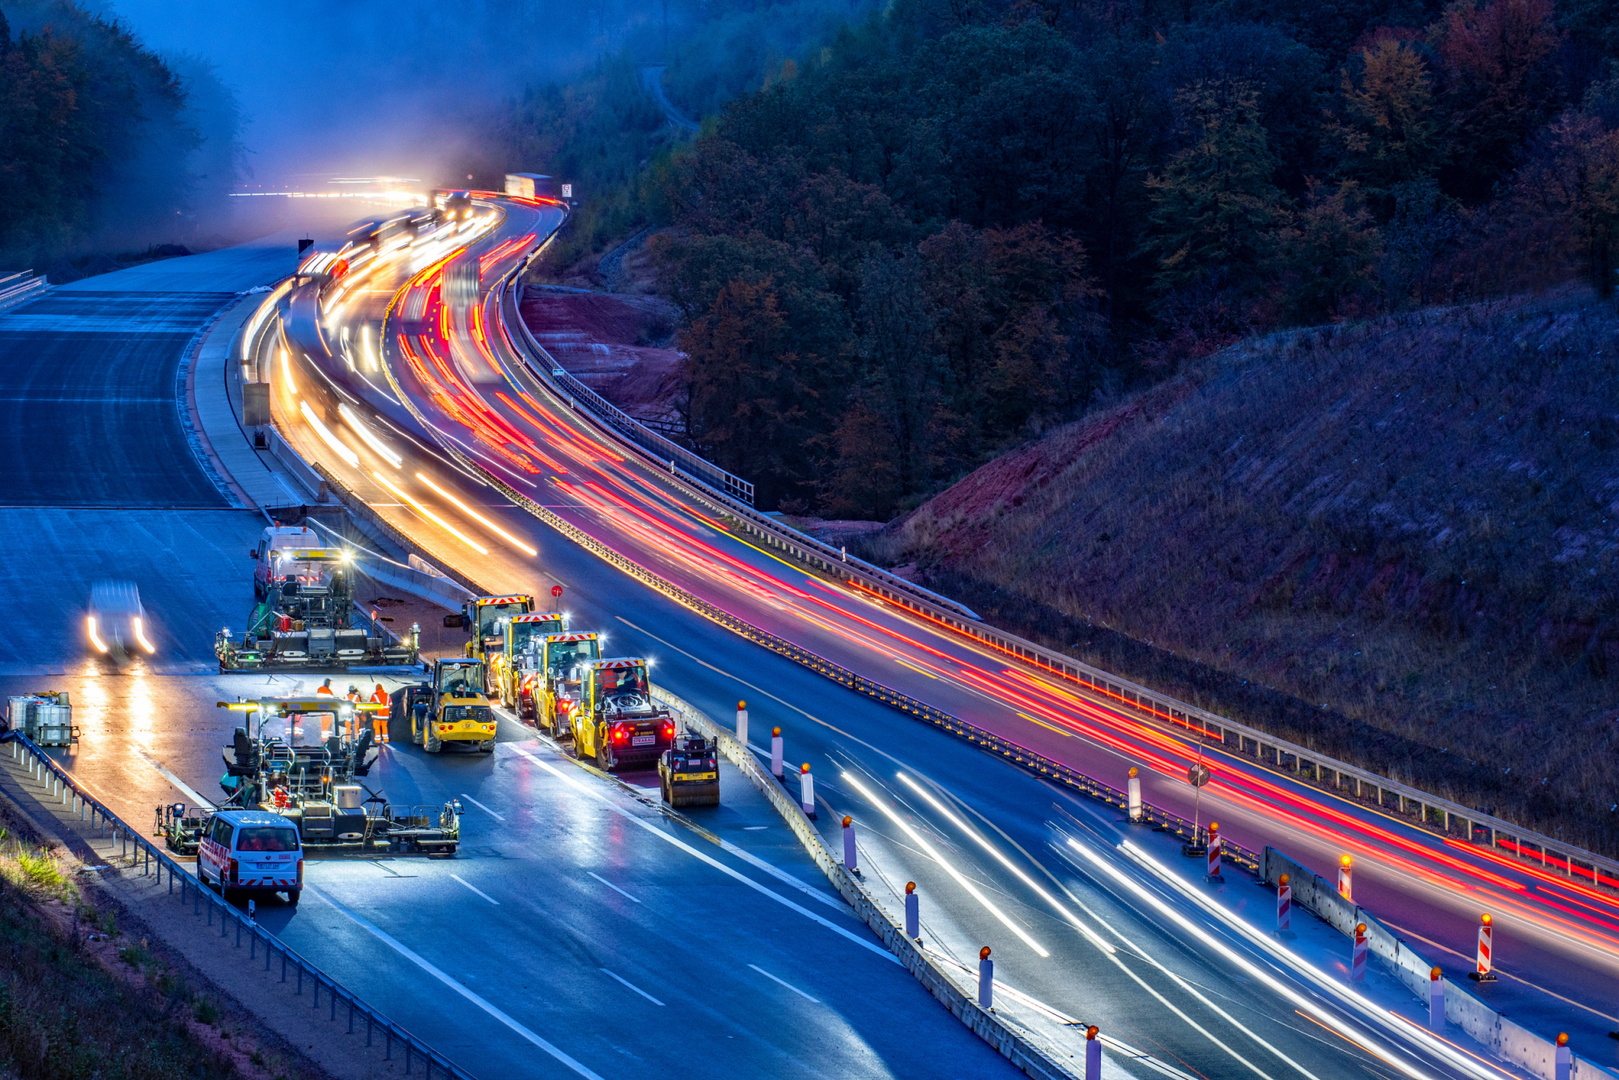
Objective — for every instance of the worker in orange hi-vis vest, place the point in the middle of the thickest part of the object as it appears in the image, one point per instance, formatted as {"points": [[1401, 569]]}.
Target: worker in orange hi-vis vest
{"points": [[379, 721], [324, 719]]}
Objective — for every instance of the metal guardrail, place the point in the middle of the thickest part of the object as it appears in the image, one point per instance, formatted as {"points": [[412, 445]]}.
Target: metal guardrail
{"points": [[14, 292], [153, 860]]}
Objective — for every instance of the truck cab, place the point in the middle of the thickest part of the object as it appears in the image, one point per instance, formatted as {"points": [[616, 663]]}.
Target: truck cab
{"points": [[273, 559], [554, 688], [484, 619], [459, 711], [522, 632], [620, 723]]}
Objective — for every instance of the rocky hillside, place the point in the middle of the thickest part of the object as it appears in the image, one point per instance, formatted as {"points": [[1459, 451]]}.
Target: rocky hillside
{"points": [[1395, 540]]}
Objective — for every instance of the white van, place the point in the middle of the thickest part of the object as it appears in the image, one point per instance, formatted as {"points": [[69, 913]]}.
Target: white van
{"points": [[251, 851]]}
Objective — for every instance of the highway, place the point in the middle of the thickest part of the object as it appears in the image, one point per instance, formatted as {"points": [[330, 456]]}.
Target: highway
{"points": [[445, 390], [576, 911]]}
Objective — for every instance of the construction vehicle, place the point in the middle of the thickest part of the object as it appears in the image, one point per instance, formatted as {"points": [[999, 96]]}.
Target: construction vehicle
{"points": [[117, 624], [619, 723], [304, 758], [551, 690], [305, 618], [521, 633], [454, 709], [44, 717], [689, 771], [181, 826], [483, 617]]}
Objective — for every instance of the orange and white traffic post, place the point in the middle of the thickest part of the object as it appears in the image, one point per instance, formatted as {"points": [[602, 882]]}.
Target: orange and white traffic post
{"points": [[1284, 904], [1436, 1000], [1346, 880], [775, 753], [986, 979], [1484, 967], [1357, 956], [1093, 1054], [913, 913], [1214, 874], [1565, 1058], [742, 724], [806, 791], [1132, 789], [851, 857]]}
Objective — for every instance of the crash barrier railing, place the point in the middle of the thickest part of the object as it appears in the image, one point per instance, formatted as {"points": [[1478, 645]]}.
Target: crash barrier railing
{"points": [[991, 1027], [806, 549], [629, 426], [1507, 1039], [151, 859], [17, 287]]}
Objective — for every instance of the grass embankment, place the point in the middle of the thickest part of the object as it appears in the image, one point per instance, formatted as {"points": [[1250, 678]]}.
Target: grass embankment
{"points": [[1394, 542], [79, 998]]}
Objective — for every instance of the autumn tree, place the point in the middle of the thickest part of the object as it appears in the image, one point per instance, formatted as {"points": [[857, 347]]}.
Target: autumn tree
{"points": [[1389, 133], [1575, 179], [1329, 256]]}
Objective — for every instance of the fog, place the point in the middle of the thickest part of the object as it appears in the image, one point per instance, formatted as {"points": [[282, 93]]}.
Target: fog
{"points": [[372, 87]]}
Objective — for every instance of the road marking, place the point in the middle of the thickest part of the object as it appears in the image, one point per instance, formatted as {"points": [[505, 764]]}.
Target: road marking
{"points": [[1042, 723], [175, 780], [694, 853], [448, 980], [475, 889], [482, 807], [632, 986], [788, 985], [754, 828], [616, 889]]}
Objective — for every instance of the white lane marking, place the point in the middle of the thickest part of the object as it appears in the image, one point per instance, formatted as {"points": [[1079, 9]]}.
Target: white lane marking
{"points": [[783, 982], [482, 807], [450, 981], [475, 889], [694, 853], [754, 828], [777, 872], [632, 986], [616, 889], [175, 780]]}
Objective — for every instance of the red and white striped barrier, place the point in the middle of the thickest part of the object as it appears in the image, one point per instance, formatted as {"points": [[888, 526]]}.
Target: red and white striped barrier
{"points": [[1346, 881], [1284, 905], [775, 753], [806, 791], [1357, 957], [1133, 788], [1214, 854], [1484, 966], [742, 723]]}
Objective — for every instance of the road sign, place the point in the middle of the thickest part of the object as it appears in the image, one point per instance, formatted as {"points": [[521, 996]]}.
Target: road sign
{"points": [[1197, 775], [556, 590]]}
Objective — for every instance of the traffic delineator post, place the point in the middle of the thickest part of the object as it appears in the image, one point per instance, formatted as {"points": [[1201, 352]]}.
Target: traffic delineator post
{"points": [[1346, 881], [1436, 1000], [1214, 874], [1093, 1054], [1484, 965], [775, 753], [1357, 955], [913, 913], [986, 979], [806, 791], [1133, 788], [742, 724], [1565, 1058], [851, 858], [1284, 904]]}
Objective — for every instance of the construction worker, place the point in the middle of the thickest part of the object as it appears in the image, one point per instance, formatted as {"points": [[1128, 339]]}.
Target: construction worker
{"points": [[326, 687], [379, 721], [325, 720]]}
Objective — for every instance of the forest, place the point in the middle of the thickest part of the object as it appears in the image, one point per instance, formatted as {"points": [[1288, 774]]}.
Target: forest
{"points": [[953, 224]]}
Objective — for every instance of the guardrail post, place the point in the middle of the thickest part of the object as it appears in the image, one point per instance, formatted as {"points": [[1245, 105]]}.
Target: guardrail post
{"points": [[1093, 1054], [986, 979], [913, 919]]}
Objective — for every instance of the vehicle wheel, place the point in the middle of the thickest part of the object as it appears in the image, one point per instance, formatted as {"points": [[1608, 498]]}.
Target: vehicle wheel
{"points": [[430, 741], [293, 895], [604, 752], [487, 746], [258, 591]]}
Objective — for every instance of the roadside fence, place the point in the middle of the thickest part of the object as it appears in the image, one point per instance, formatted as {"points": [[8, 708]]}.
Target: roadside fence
{"points": [[149, 858]]}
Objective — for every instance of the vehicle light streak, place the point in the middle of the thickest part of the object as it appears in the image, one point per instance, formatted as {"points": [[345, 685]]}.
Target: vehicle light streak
{"points": [[337, 445], [95, 638], [286, 370], [369, 438], [416, 505], [473, 514], [920, 841], [140, 635]]}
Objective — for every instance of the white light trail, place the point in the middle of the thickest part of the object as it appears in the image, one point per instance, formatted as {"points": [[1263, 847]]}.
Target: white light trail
{"points": [[338, 446], [485, 522], [95, 638], [369, 437], [286, 369], [416, 505], [140, 636]]}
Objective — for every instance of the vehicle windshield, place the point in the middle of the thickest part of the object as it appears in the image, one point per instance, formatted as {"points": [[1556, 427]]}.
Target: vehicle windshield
{"points": [[266, 838], [564, 655], [489, 616], [308, 573], [461, 681], [623, 681], [524, 632], [301, 729]]}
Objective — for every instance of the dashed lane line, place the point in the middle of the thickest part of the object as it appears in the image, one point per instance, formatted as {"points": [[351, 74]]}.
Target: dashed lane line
{"points": [[785, 983], [481, 806], [475, 889], [625, 982], [616, 889]]}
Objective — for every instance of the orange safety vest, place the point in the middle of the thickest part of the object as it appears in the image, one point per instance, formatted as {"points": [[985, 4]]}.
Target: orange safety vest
{"points": [[380, 697], [326, 690]]}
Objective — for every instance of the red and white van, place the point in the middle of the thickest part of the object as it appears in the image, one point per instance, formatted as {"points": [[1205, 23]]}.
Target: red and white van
{"points": [[245, 851]]}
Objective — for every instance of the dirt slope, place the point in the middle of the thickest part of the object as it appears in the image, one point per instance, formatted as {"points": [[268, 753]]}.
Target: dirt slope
{"points": [[1412, 524]]}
